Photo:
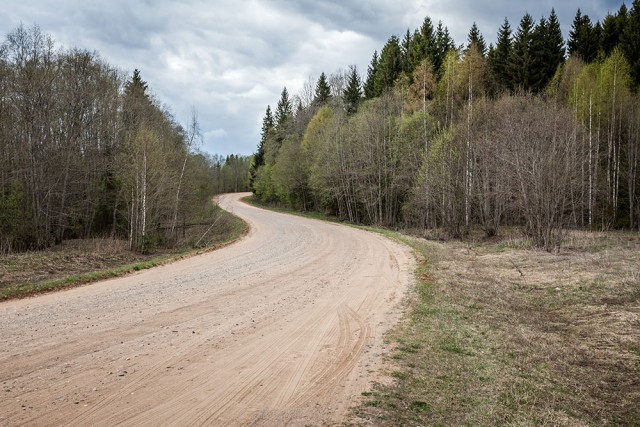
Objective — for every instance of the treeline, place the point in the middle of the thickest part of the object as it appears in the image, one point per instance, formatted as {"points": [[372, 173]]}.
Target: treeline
{"points": [[445, 137], [230, 173], [86, 151]]}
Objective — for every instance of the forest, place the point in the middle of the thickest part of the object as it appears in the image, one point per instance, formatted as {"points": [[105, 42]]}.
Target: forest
{"points": [[86, 151], [532, 132]]}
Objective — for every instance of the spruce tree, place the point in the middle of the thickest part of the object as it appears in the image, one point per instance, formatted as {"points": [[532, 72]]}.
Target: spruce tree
{"points": [[475, 37], [610, 36], [389, 67], [554, 43], [630, 40], [443, 44], [421, 46], [284, 109], [583, 39], [520, 59], [323, 91], [136, 101], [547, 51], [353, 93], [258, 156], [406, 43], [499, 59], [369, 85], [538, 69], [417, 52]]}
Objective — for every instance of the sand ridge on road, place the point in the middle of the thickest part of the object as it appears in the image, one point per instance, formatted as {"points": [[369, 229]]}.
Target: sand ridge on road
{"points": [[283, 327]]}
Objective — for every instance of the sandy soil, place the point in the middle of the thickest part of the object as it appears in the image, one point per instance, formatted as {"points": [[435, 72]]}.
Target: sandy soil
{"points": [[283, 327]]}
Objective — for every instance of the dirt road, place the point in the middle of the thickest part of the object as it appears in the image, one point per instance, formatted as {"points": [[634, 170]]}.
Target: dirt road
{"points": [[283, 327]]}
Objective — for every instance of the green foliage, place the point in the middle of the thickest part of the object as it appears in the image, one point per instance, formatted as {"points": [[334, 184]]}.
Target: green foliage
{"points": [[284, 110], [443, 45], [353, 93], [322, 90], [499, 59], [369, 85], [475, 38], [520, 60], [630, 40], [259, 156], [583, 38], [389, 67], [11, 216], [433, 143], [87, 153]]}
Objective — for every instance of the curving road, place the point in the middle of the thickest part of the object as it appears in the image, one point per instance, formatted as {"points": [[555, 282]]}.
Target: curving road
{"points": [[283, 327]]}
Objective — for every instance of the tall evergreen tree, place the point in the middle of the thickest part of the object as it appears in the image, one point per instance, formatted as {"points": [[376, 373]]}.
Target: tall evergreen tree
{"points": [[353, 93], [499, 59], [520, 59], [284, 110], [554, 42], [389, 67], [136, 101], [538, 69], [583, 39], [369, 85], [612, 29], [421, 46], [630, 40], [443, 44], [475, 37], [323, 91], [416, 53], [547, 51], [258, 157], [406, 43]]}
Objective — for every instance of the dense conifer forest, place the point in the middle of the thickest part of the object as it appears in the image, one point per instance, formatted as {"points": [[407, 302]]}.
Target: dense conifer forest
{"points": [[534, 132], [87, 151]]}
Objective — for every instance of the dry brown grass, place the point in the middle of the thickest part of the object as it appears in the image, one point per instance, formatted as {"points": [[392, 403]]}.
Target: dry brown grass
{"points": [[74, 262], [500, 334], [66, 259]]}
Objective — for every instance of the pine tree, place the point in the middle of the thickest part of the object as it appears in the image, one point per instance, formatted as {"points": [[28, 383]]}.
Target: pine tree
{"points": [[475, 37], [323, 91], [284, 109], [369, 85], [353, 93], [499, 60], [520, 59], [630, 40]]}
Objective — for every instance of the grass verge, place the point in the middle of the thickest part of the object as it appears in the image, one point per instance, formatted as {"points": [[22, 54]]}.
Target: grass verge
{"points": [[499, 334], [78, 263]]}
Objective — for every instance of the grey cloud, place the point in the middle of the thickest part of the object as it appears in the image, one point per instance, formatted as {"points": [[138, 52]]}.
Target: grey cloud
{"points": [[228, 59]]}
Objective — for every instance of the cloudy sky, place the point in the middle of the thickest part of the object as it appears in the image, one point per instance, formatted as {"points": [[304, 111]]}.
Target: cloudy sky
{"points": [[229, 59]]}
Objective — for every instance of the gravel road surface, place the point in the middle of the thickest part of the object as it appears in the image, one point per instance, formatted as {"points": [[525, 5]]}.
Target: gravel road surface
{"points": [[283, 327]]}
